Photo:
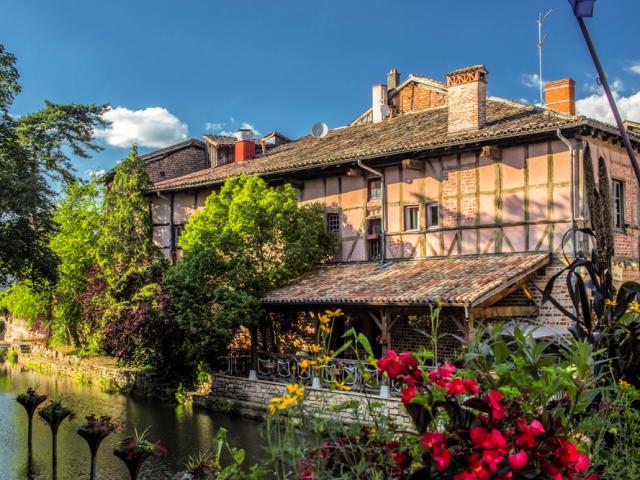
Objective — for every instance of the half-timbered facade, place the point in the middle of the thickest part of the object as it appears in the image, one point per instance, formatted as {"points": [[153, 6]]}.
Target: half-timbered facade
{"points": [[434, 170]]}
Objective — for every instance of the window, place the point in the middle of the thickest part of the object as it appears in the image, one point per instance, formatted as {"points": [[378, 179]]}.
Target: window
{"points": [[333, 222], [618, 204], [177, 231], [374, 239], [411, 218], [375, 189], [433, 215]]}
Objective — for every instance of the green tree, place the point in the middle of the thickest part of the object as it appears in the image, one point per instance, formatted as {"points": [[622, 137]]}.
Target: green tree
{"points": [[78, 221], [248, 239], [34, 156]]}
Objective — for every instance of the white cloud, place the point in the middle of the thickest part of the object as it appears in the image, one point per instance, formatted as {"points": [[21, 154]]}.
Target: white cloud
{"points": [[153, 127], [96, 173], [228, 128], [530, 80], [597, 106], [634, 68]]}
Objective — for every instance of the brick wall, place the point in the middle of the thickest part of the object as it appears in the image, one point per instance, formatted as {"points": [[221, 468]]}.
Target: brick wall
{"points": [[177, 163], [414, 97]]}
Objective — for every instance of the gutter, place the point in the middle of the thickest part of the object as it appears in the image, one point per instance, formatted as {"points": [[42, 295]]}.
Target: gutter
{"points": [[574, 237], [383, 216]]}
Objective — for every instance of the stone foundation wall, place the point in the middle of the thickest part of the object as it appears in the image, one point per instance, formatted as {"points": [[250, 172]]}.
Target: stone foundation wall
{"points": [[251, 398], [109, 377]]}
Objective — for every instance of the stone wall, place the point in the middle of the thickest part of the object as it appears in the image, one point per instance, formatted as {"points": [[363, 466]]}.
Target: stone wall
{"points": [[251, 398], [103, 372]]}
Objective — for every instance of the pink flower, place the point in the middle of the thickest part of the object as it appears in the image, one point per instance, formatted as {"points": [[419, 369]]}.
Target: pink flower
{"points": [[408, 361], [518, 460]]}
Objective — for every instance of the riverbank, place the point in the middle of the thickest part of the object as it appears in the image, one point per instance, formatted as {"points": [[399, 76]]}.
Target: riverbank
{"points": [[101, 371]]}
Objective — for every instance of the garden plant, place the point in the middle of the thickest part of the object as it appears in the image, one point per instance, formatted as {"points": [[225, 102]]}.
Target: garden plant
{"points": [[30, 400], [94, 430], [137, 449], [53, 414]]}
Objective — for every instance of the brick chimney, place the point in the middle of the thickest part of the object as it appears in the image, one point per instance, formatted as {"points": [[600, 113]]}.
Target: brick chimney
{"points": [[245, 146], [393, 79], [560, 95], [467, 99], [379, 102]]}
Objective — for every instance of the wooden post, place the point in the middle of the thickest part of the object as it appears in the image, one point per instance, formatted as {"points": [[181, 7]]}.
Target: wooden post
{"points": [[470, 333], [385, 332]]}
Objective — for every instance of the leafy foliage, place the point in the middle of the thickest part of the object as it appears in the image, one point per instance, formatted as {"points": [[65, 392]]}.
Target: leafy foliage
{"points": [[78, 219], [28, 300], [249, 238], [33, 157]]}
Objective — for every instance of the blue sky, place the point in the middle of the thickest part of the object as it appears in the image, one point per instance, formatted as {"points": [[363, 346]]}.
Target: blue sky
{"points": [[181, 68]]}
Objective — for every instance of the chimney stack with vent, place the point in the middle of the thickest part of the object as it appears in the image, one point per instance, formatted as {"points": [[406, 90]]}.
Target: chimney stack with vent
{"points": [[467, 99], [560, 95], [393, 79], [380, 108], [245, 146]]}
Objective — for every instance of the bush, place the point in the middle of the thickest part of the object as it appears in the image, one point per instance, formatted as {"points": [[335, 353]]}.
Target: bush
{"points": [[12, 356], [181, 395], [28, 300]]}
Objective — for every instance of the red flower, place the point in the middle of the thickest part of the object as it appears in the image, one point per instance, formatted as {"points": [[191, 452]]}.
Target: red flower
{"points": [[493, 398], [471, 386], [401, 459], [492, 459], [442, 456], [518, 460], [477, 435], [391, 364], [441, 374], [528, 433], [408, 394], [433, 439], [408, 361], [455, 387]]}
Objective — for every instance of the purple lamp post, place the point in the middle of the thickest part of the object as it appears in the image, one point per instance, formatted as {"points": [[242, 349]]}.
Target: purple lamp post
{"points": [[582, 9]]}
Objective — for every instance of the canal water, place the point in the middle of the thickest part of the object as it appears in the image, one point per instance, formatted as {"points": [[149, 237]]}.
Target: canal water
{"points": [[183, 430]]}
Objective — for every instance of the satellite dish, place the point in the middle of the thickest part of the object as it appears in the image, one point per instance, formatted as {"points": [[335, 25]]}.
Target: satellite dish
{"points": [[319, 130], [384, 109]]}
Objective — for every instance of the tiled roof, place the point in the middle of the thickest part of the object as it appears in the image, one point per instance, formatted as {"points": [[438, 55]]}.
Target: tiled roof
{"points": [[456, 281], [403, 134], [172, 148]]}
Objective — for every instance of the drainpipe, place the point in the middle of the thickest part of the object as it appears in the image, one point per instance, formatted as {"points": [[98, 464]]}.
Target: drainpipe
{"points": [[564, 140], [383, 216]]}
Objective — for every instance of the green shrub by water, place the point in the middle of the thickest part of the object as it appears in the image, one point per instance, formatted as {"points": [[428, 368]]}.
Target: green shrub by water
{"points": [[12, 356], [181, 394]]}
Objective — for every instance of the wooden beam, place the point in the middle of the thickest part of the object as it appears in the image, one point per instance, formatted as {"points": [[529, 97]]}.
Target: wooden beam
{"points": [[504, 292], [505, 312], [410, 164]]}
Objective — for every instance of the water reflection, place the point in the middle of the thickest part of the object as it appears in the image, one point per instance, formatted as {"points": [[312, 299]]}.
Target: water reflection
{"points": [[183, 431]]}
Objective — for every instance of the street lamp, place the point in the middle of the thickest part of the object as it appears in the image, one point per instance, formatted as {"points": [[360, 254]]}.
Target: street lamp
{"points": [[581, 9]]}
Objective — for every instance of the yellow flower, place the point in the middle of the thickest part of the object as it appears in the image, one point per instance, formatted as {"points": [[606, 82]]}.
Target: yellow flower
{"points": [[624, 385], [341, 386], [334, 313], [315, 348], [634, 307], [610, 303], [325, 329], [324, 319], [439, 303], [295, 389], [304, 364]]}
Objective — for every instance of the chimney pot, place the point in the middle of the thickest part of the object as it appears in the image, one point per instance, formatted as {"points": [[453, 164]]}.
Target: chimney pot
{"points": [[244, 149], [380, 107], [393, 79], [467, 99], [560, 95]]}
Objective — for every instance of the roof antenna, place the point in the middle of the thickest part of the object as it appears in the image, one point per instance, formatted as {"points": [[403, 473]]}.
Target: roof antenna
{"points": [[541, 39]]}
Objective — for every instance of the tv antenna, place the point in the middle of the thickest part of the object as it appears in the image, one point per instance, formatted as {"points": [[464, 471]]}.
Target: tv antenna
{"points": [[541, 38], [319, 130]]}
